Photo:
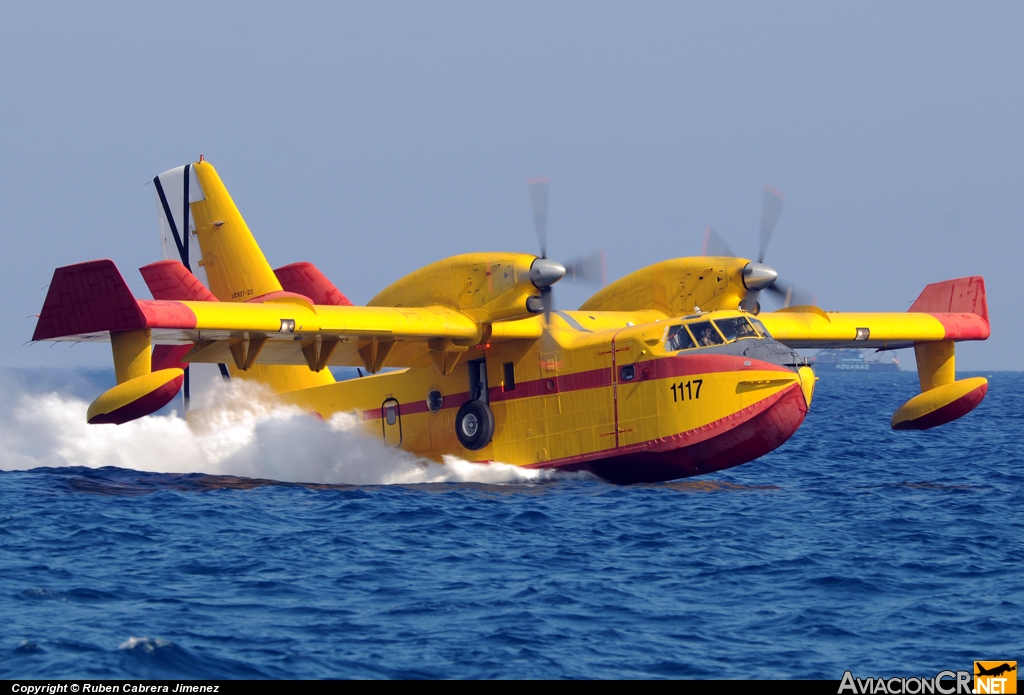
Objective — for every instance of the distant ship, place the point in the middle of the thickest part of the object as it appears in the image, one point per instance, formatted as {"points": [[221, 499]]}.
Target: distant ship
{"points": [[854, 360]]}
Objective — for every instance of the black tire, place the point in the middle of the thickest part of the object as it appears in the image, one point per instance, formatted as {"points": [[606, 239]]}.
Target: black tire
{"points": [[474, 425]]}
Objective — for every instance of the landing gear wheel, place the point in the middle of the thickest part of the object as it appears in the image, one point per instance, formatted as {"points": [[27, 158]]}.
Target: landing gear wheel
{"points": [[474, 425]]}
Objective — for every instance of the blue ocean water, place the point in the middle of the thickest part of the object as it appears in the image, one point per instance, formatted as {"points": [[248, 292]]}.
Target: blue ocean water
{"points": [[851, 547]]}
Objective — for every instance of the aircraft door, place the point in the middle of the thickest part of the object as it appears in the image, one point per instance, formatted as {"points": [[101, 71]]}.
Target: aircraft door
{"points": [[391, 421], [635, 395]]}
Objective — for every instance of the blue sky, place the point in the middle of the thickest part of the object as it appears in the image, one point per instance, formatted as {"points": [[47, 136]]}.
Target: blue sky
{"points": [[374, 138]]}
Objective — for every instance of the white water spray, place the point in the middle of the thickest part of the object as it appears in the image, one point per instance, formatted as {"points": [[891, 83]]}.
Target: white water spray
{"points": [[243, 434]]}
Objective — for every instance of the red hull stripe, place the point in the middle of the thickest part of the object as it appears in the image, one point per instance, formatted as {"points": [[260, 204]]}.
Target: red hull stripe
{"points": [[754, 437], [661, 368], [452, 402]]}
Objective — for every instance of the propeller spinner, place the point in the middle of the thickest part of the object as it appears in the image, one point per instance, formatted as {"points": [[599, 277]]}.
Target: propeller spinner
{"points": [[545, 272]]}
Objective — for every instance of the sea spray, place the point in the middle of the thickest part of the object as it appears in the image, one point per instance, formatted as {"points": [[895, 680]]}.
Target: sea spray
{"points": [[245, 432]]}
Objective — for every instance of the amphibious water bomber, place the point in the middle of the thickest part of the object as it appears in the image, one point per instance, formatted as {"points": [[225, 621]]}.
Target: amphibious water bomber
{"points": [[669, 372]]}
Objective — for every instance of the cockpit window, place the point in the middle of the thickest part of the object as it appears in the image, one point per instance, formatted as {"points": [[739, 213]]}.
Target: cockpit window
{"points": [[678, 339], [705, 334], [761, 330], [735, 329]]}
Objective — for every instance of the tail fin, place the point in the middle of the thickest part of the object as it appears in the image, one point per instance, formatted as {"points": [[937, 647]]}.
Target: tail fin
{"points": [[235, 266]]}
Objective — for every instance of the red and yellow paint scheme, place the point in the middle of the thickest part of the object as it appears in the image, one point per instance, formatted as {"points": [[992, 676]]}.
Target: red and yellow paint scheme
{"points": [[658, 376]]}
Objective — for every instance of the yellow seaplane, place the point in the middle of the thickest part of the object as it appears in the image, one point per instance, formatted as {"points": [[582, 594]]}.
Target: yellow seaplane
{"points": [[669, 372]]}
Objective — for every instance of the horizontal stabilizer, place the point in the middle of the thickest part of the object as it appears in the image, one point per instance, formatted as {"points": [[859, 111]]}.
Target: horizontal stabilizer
{"points": [[306, 279]]}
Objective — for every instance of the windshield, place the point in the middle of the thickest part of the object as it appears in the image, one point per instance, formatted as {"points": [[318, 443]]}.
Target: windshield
{"points": [[678, 339], [759, 327], [735, 329], [706, 334]]}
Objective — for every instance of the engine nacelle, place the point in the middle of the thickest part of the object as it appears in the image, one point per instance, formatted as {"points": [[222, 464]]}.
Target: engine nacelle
{"points": [[487, 286], [135, 398], [675, 287]]}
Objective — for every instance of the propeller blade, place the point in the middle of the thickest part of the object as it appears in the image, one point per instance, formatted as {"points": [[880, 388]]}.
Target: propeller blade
{"points": [[549, 347], [589, 267], [771, 207], [714, 245], [538, 188], [792, 296]]}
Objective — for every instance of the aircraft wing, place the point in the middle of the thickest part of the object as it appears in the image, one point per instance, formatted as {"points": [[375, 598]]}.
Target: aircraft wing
{"points": [[946, 311], [88, 301]]}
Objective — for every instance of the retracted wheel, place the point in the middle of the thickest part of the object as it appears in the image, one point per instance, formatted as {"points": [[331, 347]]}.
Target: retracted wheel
{"points": [[474, 425]]}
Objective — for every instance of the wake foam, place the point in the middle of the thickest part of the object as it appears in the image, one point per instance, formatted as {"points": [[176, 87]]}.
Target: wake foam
{"points": [[242, 434]]}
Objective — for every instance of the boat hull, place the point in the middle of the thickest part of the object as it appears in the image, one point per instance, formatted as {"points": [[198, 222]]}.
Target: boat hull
{"points": [[732, 441]]}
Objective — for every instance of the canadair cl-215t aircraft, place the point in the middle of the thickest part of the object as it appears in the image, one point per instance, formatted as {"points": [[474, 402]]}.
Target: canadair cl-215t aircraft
{"points": [[668, 372]]}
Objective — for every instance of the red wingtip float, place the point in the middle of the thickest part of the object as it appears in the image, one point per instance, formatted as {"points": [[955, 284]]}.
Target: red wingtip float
{"points": [[668, 372], [962, 308]]}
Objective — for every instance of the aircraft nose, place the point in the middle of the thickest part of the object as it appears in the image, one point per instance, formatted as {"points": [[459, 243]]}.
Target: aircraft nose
{"points": [[758, 276], [545, 272]]}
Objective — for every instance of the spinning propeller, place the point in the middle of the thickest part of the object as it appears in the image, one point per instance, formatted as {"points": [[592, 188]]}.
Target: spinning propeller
{"points": [[545, 272], [758, 276]]}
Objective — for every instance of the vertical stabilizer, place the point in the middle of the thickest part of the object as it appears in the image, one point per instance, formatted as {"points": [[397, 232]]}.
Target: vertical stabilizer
{"points": [[193, 205], [235, 266]]}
